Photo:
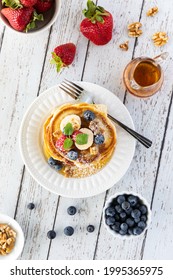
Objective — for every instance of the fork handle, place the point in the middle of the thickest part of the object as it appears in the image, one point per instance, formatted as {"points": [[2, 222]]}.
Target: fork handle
{"points": [[143, 140]]}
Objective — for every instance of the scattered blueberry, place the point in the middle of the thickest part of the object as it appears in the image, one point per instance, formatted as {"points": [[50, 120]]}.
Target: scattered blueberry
{"points": [[137, 231], [71, 210], [99, 139], [135, 213], [69, 231], [123, 216], [124, 226], [51, 234], [73, 155], [142, 224], [31, 206], [90, 228], [143, 209], [57, 165], [116, 227], [132, 200], [110, 221], [110, 211], [89, 115], [121, 199], [125, 205], [118, 208], [130, 222], [143, 218]]}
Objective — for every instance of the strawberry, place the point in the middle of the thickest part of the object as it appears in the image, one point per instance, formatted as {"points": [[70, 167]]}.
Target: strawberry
{"points": [[21, 19], [75, 133], [43, 5], [98, 24], [15, 4], [60, 143], [63, 55]]}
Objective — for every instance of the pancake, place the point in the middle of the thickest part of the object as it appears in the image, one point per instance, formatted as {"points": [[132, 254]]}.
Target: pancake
{"points": [[89, 160]]}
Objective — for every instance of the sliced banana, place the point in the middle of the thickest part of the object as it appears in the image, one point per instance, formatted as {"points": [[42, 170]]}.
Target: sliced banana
{"points": [[73, 119], [90, 139]]}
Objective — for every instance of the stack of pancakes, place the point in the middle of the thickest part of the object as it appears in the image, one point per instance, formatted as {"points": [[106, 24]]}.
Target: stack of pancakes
{"points": [[90, 160]]}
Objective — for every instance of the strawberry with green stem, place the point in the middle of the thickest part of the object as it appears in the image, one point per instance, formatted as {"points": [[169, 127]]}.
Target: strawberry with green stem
{"points": [[98, 24], [16, 4]]}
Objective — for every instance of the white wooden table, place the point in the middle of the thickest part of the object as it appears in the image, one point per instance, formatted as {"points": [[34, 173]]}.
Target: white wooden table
{"points": [[25, 72]]}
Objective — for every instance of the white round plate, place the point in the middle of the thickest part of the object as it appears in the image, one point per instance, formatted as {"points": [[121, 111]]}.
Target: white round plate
{"points": [[31, 143]]}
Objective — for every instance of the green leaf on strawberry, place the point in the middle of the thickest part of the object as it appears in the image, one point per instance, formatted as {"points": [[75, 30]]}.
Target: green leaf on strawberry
{"points": [[32, 24], [68, 129], [81, 139], [56, 60], [14, 4], [94, 12], [67, 143]]}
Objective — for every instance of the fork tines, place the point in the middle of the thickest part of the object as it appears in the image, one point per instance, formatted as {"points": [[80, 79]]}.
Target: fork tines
{"points": [[71, 89]]}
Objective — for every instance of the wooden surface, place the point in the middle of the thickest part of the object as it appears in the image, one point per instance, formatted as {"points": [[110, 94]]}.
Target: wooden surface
{"points": [[25, 72]]}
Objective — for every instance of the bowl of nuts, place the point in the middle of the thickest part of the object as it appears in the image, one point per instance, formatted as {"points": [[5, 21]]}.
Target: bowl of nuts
{"points": [[11, 238], [127, 215]]}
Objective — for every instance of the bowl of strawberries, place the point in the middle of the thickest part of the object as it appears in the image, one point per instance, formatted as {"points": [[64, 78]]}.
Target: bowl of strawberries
{"points": [[29, 16]]}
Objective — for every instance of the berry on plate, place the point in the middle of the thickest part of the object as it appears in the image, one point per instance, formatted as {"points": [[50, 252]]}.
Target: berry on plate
{"points": [[57, 165], [21, 19], [99, 139], [60, 143], [98, 24], [73, 155], [89, 115], [75, 133], [63, 55]]}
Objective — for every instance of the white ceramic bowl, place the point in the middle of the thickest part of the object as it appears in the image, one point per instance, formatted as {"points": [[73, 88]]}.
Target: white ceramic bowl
{"points": [[107, 204], [18, 247], [49, 18]]}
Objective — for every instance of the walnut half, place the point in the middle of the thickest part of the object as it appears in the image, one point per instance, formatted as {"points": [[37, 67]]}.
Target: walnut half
{"points": [[7, 239], [124, 46], [134, 29], [160, 38], [152, 12]]}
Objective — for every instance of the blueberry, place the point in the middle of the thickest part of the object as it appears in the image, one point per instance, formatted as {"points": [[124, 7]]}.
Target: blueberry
{"points": [[117, 217], [110, 211], [69, 231], [137, 231], [90, 228], [121, 199], [142, 224], [116, 227], [143, 218], [122, 232], [118, 208], [137, 220], [128, 211], [110, 221], [132, 200], [130, 231], [31, 206], [124, 227], [71, 210], [51, 234], [123, 216], [55, 163], [89, 115], [130, 222], [143, 209], [125, 205], [135, 213], [99, 139], [73, 155]]}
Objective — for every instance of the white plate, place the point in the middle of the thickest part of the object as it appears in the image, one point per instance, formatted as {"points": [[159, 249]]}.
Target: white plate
{"points": [[17, 250], [31, 137]]}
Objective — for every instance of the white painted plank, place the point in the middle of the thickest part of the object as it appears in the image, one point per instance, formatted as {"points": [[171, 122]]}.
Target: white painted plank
{"points": [[82, 245], [1, 33], [20, 67], [149, 116]]}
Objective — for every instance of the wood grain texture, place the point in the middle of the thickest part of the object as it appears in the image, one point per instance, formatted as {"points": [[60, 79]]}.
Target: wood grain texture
{"points": [[2, 28]]}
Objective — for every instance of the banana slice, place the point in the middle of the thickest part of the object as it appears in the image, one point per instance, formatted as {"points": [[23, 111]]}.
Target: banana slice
{"points": [[73, 119], [90, 139]]}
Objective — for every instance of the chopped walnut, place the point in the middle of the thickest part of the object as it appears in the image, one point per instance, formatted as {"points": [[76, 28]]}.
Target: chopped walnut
{"points": [[124, 46], [134, 29], [7, 239], [152, 12], [94, 150], [160, 38]]}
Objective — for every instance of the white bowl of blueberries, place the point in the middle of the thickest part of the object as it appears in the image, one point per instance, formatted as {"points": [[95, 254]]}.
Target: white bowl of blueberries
{"points": [[127, 215]]}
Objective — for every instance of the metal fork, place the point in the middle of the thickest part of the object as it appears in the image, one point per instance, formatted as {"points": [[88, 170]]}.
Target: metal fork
{"points": [[79, 94]]}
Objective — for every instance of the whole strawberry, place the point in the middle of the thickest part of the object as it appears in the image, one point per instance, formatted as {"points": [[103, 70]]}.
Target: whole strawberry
{"points": [[43, 5], [21, 19], [98, 24], [63, 55], [15, 4]]}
